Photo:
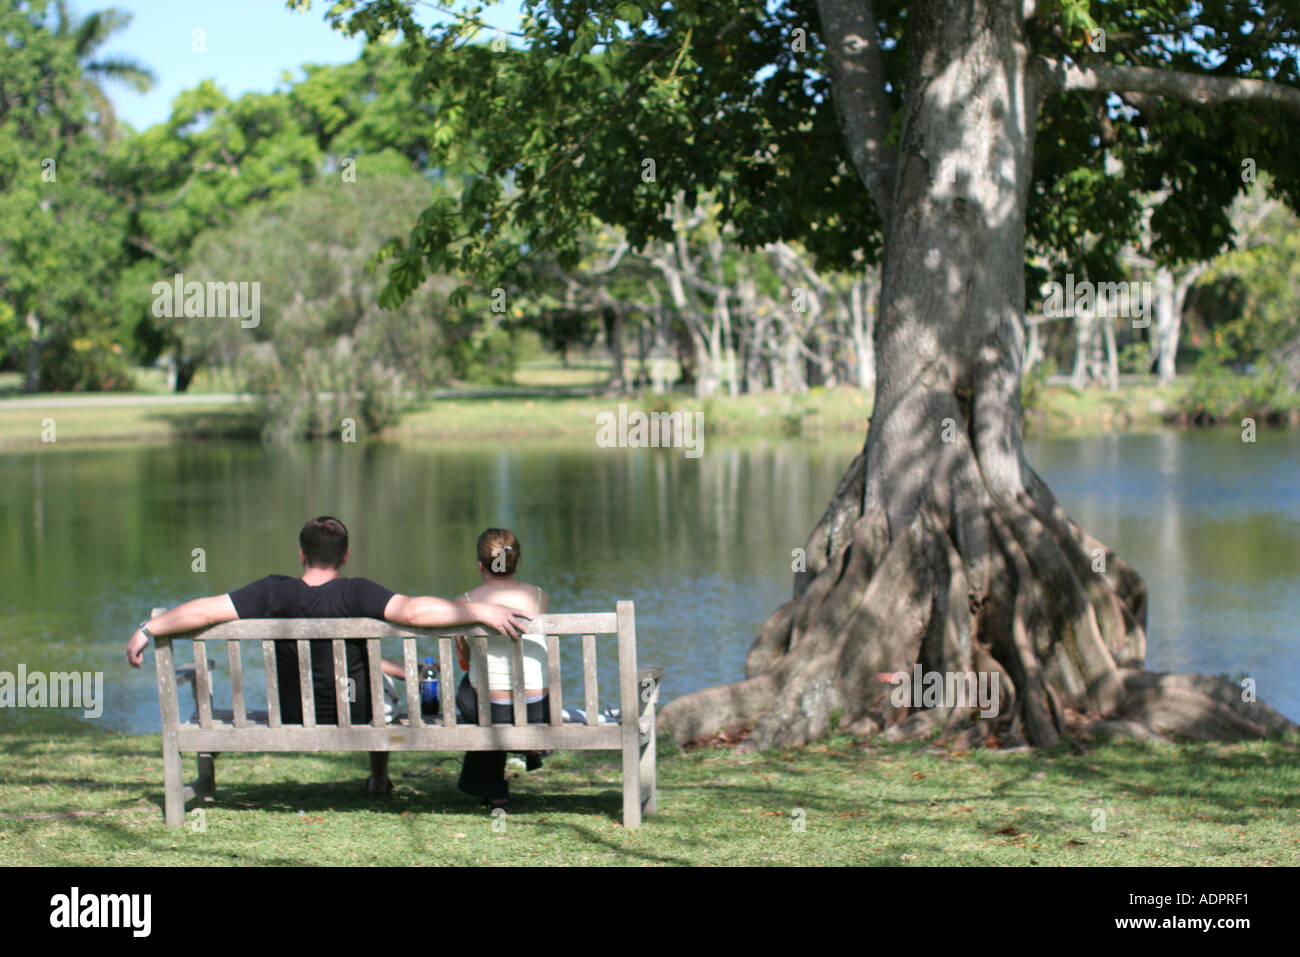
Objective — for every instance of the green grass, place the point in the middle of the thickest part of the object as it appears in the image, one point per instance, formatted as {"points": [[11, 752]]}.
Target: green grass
{"points": [[553, 373], [545, 407], [153, 381], [81, 425], [94, 800], [1061, 409], [838, 409], [147, 380]]}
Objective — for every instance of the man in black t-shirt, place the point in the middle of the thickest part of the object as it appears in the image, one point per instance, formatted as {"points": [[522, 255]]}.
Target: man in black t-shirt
{"points": [[279, 596], [322, 593]]}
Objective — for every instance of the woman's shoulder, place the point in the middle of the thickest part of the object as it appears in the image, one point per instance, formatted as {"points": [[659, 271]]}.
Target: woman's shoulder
{"points": [[535, 593], [530, 592], [522, 595]]}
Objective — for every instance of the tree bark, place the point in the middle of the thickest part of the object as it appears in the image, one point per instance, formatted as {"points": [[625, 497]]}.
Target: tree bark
{"points": [[1168, 321], [942, 550], [32, 379], [1112, 355], [612, 317]]}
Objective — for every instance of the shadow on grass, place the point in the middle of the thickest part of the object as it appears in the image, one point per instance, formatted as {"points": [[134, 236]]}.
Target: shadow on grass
{"points": [[528, 812]]}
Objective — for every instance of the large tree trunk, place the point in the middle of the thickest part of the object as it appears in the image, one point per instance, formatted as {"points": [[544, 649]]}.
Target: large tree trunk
{"points": [[942, 550]]}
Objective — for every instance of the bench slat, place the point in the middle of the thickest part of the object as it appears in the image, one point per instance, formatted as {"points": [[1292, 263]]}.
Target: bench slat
{"points": [[412, 669], [518, 696], [465, 737], [342, 700], [373, 662], [446, 693], [589, 679], [272, 684], [292, 629], [306, 690], [236, 684], [478, 661], [202, 683], [554, 681]]}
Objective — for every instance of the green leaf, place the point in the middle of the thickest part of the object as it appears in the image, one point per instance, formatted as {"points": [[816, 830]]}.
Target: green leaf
{"points": [[631, 13]]}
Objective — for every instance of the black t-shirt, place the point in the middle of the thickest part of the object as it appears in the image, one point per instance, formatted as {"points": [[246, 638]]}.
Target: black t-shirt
{"points": [[279, 596]]}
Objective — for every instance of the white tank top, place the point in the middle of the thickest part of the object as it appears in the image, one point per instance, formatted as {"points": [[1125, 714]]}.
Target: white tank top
{"points": [[499, 655]]}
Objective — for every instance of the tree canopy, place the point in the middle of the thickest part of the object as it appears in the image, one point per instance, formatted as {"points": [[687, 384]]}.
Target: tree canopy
{"points": [[609, 109]]}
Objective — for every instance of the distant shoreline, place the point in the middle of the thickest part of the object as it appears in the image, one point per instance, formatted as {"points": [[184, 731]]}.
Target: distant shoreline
{"points": [[98, 420]]}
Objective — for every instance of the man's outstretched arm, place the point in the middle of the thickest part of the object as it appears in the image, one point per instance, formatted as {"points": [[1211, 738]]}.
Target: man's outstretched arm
{"points": [[198, 613], [426, 611]]}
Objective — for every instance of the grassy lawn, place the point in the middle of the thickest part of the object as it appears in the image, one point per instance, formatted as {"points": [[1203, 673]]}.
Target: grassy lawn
{"points": [[21, 428], [95, 800], [551, 372], [544, 416], [547, 407], [1062, 409], [148, 380]]}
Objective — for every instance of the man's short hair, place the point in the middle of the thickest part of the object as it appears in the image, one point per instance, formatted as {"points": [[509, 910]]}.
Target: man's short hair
{"points": [[324, 542]]}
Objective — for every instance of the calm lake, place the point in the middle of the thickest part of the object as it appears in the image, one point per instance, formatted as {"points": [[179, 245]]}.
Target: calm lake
{"points": [[96, 537]]}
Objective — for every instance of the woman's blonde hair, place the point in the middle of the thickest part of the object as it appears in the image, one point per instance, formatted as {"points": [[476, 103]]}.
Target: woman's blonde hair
{"points": [[498, 550]]}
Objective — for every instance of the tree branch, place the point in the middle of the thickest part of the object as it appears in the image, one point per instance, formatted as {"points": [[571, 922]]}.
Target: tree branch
{"points": [[1191, 87], [141, 243], [858, 90]]}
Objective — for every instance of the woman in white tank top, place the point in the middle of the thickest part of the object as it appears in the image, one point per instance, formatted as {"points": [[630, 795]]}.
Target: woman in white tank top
{"points": [[500, 654], [483, 772]]}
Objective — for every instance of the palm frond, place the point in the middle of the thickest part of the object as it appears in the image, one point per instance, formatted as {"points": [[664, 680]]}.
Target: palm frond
{"points": [[133, 73], [96, 28]]}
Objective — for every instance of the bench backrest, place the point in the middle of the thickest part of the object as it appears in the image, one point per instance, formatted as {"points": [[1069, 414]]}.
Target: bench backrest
{"points": [[622, 623]]}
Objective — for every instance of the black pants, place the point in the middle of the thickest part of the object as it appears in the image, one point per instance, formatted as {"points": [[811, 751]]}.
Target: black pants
{"points": [[484, 772]]}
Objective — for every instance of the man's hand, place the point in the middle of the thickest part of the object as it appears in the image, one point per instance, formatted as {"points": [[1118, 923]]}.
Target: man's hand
{"points": [[508, 621], [135, 647], [198, 613]]}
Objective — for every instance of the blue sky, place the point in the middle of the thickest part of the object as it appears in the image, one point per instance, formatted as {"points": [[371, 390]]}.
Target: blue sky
{"points": [[250, 44]]}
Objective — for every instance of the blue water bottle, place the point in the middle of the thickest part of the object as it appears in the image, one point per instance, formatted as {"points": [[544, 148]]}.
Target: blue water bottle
{"points": [[429, 688]]}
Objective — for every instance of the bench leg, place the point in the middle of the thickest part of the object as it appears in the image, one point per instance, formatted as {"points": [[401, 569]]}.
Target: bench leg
{"points": [[173, 786], [206, 785], [631, 785]]}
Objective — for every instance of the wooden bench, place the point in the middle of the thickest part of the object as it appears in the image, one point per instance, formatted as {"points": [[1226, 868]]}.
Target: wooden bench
{"points": [[210, 731]]}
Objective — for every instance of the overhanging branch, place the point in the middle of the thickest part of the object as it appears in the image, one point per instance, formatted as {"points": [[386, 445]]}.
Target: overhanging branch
{"points": [[1189, 87]]}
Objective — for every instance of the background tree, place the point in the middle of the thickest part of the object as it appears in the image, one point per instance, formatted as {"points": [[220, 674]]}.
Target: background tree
{"points": [[60, 230], [87, 35], [323, 350], [212, 159]]}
